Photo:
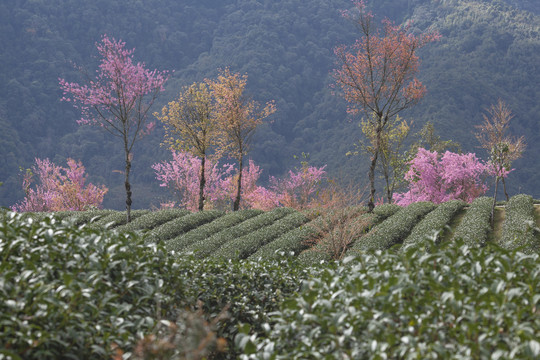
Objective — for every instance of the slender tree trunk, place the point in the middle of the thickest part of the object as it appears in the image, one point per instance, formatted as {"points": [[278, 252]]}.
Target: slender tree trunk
{"points": [[494, 201], [371, 203], [126, 182], [504, 187], [236, 204], [202, 184]]}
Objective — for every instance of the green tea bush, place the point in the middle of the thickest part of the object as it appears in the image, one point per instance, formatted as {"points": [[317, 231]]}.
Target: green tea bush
{"points": [[476, 224], [74, 292], [453, 302], [250, 291], [182, 225], [84, 217], [336, 231], [434, 222], [116, 218], [207, 230], [519, 224], [153, 219], [385, 211], [292, 242], [244, 246], [204, 248], [394, 229]]}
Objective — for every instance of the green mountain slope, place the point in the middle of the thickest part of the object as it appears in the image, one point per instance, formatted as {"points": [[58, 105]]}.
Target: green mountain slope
{"points": [[490, 49]]}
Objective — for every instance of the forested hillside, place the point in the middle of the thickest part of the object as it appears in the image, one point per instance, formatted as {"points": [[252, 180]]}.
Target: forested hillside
{"points": [[489, 49]]}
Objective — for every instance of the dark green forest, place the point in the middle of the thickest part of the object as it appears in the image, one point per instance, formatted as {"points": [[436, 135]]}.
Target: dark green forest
{"points": [[489, 49]]}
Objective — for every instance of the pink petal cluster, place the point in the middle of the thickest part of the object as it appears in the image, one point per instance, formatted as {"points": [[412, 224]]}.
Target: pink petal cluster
{"points": [[117, 94], [181, 176], [59, 189], [439, 179]]}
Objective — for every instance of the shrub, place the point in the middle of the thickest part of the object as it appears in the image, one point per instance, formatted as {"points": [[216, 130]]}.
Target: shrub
{"points": [[434, 222], [455, 302], [385, 211], [242, 247], [182, 225], [207, 230], [292, 242], [153, 219], [476, 224], [116, 218], [519, 225], [394, 229], [74, 292], [204, 248], [250, 291]]}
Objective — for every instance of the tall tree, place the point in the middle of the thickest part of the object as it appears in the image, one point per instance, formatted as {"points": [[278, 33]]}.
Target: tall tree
{"points": [[376, 75], [191, 126], [238, 118], [503, 149], [118, 100]]}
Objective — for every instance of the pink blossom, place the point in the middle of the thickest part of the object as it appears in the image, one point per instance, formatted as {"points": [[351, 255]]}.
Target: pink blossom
{"points": [[59, 188], [439, 179]]}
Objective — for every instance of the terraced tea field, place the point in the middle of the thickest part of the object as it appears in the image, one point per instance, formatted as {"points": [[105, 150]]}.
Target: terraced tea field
{"points": [[255, 234]]}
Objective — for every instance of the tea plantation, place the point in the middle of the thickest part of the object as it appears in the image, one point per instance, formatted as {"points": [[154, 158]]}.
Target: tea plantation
{"points": [[422, 282]]}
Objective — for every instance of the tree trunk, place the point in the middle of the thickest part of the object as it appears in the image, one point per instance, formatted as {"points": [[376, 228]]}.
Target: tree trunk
{"points": [[371, 203], [494, 201], [127, 184], [504, 187], [202, 184], [236, 204]]}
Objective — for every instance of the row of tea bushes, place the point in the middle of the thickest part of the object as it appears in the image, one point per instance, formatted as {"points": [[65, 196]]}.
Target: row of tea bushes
{"points": [[244, 246], [433, 224], [290, 243], [153, 219], [475, 225], [454, 302], [204, 248], [115, 219], [181, 225], [394, 229], [321, 252], [205, 231], [519, 225], [71, 292]]}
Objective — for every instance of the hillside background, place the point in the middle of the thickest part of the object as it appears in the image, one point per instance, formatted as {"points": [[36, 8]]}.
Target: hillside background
{"points": [[489, 50]]}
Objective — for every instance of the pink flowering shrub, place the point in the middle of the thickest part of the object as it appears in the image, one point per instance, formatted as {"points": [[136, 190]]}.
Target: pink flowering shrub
{"points": [[181, 176], [440, 179], [59, 188]]}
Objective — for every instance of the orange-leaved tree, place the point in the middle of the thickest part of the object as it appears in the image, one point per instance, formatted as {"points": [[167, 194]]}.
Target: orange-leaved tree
{"points": [[377, 75], [191, 126], [238, 117]]}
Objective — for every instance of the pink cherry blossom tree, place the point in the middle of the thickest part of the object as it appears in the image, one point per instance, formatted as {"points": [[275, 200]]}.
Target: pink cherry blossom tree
{"points": [[58, 188], [118, 100], [439, 179], [181, 176]]}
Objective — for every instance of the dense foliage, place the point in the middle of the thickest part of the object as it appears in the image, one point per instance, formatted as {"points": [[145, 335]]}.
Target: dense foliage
{"points": [[453, 301], [488, 49]]}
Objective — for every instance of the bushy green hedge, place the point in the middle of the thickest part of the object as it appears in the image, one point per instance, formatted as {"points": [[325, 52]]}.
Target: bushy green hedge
{"points": [[202, 249], [207, 230], [153, 219], [453, 302], [394, 229], [73, 292], [475, 226], [116, 218], [181, 225], [290, 243], [385, 211], [433, 224], [244, 246], [519, 224]]}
